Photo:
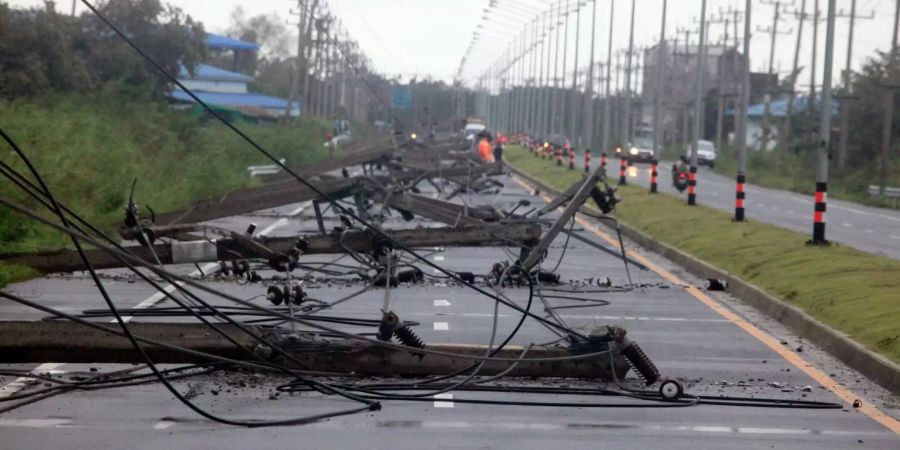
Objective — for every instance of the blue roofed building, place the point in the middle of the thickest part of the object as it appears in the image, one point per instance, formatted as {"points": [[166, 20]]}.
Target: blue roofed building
{"points": [[227, 89]]}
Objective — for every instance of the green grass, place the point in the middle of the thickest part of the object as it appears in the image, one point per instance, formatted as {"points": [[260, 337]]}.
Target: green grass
{"points": [[853, 291], [90, 148]]}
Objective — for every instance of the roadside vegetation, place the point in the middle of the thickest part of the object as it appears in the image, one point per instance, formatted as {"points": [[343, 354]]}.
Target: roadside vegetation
{"points": [[92, 115], [89, 150], [853, 291]]}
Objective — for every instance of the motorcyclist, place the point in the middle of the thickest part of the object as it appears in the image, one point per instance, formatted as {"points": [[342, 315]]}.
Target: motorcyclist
{"points": [[680, 170]]}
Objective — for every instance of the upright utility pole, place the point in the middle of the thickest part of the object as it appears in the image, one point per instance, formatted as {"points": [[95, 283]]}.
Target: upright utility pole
{"points": [[626, 123], [298, 62], [554, 118], [846, 100], [888, 127], [698, 106], [740, 194], [562, 84], [589, 87], [801, 16], [811, 101], [573, 120], [559, 82], [545, 109], [606, 101], [770, 86], [824, 133], [658, 83]]}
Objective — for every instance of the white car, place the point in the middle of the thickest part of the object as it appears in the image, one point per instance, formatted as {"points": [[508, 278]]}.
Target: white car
{"points": [[472, 129], [706, 153]]}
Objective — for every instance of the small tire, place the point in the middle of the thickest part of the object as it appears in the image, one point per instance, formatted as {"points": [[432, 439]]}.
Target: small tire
{"points": [[671, 390]]}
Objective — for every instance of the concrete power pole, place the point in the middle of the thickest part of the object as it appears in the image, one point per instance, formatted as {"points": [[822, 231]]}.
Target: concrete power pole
{"points": [[801, 16], [607, 110], [573, 121], [698, 106], [589, 86], [658, 82], [824, 134], [740, 194], [770, 88], [626, 123], [887, 131], [847, 99]]}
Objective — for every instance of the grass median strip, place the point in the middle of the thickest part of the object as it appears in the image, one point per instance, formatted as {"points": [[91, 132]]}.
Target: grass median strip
{"points": [[853, 291]]}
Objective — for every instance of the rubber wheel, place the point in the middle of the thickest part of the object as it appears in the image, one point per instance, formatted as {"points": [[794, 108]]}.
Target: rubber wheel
{"points": [[671, 390]]}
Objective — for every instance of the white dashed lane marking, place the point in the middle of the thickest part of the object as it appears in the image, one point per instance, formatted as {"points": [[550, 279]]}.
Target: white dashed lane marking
{"points": [[441, 326], [441, 303], [443, 401]]}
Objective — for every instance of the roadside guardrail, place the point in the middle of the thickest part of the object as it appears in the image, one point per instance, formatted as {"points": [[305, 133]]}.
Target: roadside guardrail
{"points": [[891, 193]]}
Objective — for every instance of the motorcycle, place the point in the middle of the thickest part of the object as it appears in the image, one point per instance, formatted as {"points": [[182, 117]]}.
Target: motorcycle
{"points": [[680, 175]]}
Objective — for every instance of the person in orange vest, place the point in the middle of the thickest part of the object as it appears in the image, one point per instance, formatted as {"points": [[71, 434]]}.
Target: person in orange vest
{"points": [[484, 147]]}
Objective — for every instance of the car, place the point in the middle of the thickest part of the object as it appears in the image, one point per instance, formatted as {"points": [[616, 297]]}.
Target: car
{"points": [[706, 153], [641, 150], [473, 129]]}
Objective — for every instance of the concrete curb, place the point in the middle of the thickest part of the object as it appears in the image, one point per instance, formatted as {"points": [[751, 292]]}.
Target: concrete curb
{"points": [[838, 344]]}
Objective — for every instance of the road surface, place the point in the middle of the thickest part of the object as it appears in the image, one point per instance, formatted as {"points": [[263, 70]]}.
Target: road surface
{"points": [[709, 344]]}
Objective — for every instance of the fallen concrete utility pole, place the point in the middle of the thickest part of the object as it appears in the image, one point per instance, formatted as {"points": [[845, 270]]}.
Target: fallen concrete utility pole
{"points": [[269, 196], [585, 188], [69, 342], [234, 248]]}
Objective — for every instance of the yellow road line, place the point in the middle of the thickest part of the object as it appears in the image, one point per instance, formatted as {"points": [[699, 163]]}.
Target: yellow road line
{"points": [[815, 373]]}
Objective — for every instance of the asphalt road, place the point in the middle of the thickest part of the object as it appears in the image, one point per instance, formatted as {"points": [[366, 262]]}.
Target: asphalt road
{"points": [[873, 230], [704, 343]]}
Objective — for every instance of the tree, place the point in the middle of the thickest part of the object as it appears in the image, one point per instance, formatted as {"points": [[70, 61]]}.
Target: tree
{"points": [[868, 110], [42, 51]]}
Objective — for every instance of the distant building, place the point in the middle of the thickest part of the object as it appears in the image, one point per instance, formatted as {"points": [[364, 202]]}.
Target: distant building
{"points": [[228, 89]]}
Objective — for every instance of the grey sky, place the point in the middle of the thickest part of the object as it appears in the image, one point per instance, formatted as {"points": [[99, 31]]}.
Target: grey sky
{"points": [[429, 37]]}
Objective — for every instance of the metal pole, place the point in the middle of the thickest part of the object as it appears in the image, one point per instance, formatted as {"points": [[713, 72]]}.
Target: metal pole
{"points": [[606, 101], [845, 103], [698, 106], [824, 133], [589, 87], [740, 194], [657, 89]]}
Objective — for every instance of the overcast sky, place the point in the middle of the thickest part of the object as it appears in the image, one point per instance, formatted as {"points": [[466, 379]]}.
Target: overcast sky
{"points": [[429, 37]]}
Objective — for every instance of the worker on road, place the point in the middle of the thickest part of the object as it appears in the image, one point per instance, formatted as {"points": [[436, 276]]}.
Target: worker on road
{"points": [[484, 147], [498, 153]]}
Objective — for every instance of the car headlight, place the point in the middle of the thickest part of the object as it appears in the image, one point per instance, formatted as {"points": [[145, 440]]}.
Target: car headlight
{"points": [[634, 151], [618, 149]]}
